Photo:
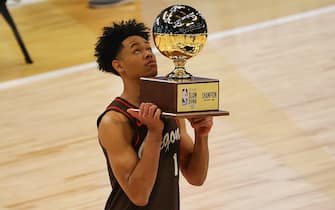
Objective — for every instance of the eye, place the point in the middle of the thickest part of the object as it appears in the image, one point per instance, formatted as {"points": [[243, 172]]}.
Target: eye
{"points": [[136, 51], [149, 49]]}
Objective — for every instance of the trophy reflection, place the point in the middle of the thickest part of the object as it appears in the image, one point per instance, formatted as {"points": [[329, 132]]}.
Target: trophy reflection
{"points": [[179, 48], [179, 33]]}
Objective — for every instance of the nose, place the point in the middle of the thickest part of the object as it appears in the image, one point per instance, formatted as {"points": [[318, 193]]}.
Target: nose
{"points": [[149, 54]]}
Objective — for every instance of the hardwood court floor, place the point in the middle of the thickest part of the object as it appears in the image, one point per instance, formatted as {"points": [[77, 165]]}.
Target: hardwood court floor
{"points": [[276, 151]]}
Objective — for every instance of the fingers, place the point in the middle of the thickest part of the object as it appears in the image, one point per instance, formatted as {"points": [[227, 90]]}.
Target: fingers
{"points": [[133, 112], [201, 121], [146, 110], [158, 113], [152, 109], [149, 114], [202, 126]]}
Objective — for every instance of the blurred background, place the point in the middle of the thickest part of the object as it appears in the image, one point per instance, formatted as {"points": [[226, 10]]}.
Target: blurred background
{"points": [[276, 64]]}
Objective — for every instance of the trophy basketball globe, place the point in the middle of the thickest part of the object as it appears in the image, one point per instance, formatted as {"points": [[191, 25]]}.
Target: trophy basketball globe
{"points": [[179, 33]]}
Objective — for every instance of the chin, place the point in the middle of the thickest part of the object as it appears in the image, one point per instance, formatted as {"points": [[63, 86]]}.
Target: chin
{"points": [[152, 74]]}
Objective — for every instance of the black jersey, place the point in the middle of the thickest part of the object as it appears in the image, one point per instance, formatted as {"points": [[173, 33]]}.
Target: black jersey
{"points": [[165, 193]]}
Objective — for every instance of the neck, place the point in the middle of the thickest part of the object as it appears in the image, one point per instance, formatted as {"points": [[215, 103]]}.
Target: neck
{"points": [[131, 92]]}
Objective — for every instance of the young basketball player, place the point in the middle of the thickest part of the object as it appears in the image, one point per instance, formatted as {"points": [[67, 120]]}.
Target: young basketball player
{"points": [[144, 151]]}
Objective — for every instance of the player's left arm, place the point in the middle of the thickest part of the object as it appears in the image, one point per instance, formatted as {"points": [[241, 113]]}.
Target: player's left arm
{"points": [[194, 156]]}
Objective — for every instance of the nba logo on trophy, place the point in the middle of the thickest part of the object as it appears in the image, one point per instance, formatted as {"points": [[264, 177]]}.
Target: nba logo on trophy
{"points": [[184, 98]]}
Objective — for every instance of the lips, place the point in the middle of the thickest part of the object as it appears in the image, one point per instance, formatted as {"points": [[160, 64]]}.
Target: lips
{"points": [[151, 63]]}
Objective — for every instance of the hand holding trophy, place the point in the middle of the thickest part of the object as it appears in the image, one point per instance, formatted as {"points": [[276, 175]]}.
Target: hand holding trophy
{"points": [[179, 33]]}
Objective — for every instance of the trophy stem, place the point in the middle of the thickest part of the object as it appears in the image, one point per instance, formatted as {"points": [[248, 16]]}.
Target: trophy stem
{"points": [[179, 71]]}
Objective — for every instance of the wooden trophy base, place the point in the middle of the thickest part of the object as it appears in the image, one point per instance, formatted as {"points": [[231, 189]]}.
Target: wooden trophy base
{"points": [[193, 97]]}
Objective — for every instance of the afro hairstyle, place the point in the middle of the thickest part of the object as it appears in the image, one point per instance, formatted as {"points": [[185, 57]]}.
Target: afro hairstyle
{"points": [[110, 43]]}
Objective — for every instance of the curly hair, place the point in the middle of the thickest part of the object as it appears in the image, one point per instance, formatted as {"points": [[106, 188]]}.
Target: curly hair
{"points": [[110, 43]]}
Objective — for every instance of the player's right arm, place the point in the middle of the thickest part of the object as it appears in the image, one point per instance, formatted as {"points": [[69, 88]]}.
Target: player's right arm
{"points": [[135, 176]]}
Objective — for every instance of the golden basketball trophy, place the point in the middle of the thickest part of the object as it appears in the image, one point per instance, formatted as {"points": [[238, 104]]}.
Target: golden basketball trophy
{"points": [[179, 33]]}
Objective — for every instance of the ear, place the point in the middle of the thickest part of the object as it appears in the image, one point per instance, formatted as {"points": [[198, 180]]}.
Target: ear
{"points": [[117, 65]]}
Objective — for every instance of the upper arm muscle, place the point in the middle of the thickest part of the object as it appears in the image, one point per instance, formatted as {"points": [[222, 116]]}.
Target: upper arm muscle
{"points": [[115, 136]]}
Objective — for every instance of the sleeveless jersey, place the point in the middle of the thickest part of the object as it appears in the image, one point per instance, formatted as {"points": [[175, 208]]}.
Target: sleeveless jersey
{"points": [[165, 193]]}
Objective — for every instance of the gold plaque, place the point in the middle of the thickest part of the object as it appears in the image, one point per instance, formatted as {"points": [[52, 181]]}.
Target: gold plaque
{"points": [[179, 33]]}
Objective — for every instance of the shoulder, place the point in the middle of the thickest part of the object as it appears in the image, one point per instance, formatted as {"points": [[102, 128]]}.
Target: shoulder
{"points": [[113, 126], [112, 117]]}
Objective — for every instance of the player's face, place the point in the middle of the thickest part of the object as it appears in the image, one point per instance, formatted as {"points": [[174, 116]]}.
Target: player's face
{"points": [[137, 58]]}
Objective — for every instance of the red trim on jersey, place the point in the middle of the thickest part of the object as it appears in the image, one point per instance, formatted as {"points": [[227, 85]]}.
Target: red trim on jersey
{"points": [[137, 137], [138, 123], [123, 102], [177, 121], [118, 109]]}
